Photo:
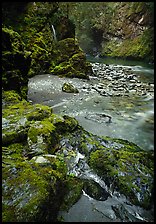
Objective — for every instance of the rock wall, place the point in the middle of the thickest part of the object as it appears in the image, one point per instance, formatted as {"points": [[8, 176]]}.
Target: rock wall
{"points": [[15, 62], [116, 29], [131, 33], [35, 23]]}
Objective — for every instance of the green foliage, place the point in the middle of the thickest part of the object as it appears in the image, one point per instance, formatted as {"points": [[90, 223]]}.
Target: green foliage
{"points": [[115, 29], [140, 47]]}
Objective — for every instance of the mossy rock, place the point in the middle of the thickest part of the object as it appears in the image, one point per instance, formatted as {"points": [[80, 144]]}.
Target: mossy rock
{"points": [[10, 97], [123, 165], [15, 62], [17, 117], [64, 123], [69, 88], [69, 60], [73, 192], [31, 192], [95, 191], [42, 137], [127, 172]]}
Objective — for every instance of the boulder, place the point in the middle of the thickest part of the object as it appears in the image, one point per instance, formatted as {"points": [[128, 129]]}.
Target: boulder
{"points": [[69, 60], [69, 88]]}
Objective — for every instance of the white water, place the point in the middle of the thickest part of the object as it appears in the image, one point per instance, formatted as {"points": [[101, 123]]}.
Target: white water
{"points": [[54, 33]]}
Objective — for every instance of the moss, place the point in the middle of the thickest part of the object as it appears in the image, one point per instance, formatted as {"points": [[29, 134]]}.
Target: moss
{"points": [[39, 112], [64, 124], [69, 88], [126, 171], [15, 62], [73, 192], [37, 198], [94, 190], [42, 137], [10, 97], [70, 60], [140, 47]]}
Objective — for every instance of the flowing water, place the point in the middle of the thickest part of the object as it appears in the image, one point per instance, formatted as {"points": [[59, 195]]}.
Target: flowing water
{"points": [[131, 119]]}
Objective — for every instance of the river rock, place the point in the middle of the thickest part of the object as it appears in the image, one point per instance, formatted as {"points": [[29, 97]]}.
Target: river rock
{"points": [[69, 88], [95, 191]]}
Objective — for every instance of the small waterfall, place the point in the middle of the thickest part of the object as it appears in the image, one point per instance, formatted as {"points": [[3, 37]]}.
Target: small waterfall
{"points": [[54, 33]]}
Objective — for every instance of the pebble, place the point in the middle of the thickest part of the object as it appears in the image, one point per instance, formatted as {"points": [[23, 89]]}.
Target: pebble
{"points": [[117, 81]]}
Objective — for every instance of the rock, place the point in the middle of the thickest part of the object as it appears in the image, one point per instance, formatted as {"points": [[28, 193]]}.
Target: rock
{"points": [[28, 196], [16, 62], [95, 191], [70, 61], [35, 188], [115, 166], [69, 88]]}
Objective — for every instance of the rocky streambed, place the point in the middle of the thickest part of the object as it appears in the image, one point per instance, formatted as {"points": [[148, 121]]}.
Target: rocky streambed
{"points": [[112, 91]]}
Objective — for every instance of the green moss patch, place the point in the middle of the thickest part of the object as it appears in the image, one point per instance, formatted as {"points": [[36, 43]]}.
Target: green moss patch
{"points": [[127, 172]]}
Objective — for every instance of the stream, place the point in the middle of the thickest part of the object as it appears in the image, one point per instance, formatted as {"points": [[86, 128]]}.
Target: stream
{"points": [[120, 90]]}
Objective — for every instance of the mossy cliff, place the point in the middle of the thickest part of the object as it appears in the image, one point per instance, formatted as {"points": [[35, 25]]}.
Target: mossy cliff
{"points": [[34, 24], [131, 34], [15, 62], [39, 151], [116, 29]]}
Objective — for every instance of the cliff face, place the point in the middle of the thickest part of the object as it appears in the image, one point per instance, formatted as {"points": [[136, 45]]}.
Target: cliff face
{"points": [[130, 33], [116, 29], [37, 38]]}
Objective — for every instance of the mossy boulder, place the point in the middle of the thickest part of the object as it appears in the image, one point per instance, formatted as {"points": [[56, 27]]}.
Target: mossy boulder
{"points": [[122, 165], [10, 97], [42, 137], [15, 62], [69, 60], [35, 180], [17, 118], [73, 192], [69, 88], [95, 191], [31, 192], [130, 172]]}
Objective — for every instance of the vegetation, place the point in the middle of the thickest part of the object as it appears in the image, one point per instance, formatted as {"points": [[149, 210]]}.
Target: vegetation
{"points": [[115, 29], [39, 148]]}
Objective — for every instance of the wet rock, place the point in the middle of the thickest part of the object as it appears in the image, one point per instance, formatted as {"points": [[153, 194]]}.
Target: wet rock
{"points": [[115, 166], [28, 193], [95, 191], [125, 215], [69, 88], [117, 79]]}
